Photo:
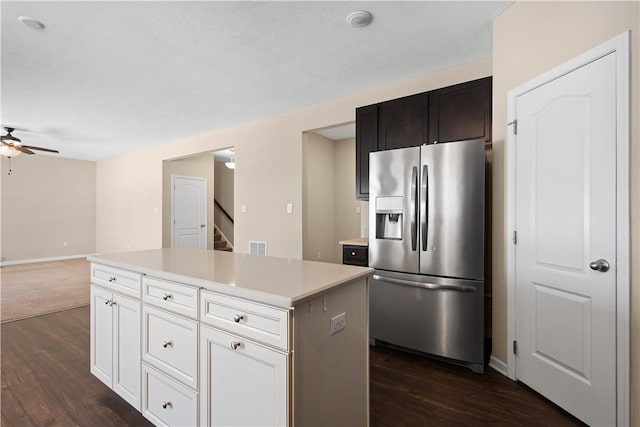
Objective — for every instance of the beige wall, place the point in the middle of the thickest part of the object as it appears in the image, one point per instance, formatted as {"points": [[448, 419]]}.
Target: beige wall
{"points": [[200, 166], [223, 190], [318, 195], [328, 193], [530, 38], [47, 201], [347, 219], [268, 174]]}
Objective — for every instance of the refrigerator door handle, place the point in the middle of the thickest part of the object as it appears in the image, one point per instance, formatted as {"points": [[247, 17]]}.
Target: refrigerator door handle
{"points": [[414, 208], [431, 286], [424, 206]]}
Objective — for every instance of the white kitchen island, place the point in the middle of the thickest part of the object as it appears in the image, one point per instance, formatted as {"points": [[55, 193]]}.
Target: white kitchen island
{"points": [[197, 337]]}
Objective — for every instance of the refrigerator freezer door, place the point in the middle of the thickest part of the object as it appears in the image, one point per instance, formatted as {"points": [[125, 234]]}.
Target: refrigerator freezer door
{"points": [[439, 316], [453, 192], [393, 210]]}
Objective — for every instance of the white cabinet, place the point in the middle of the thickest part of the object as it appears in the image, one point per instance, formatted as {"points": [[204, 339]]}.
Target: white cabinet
{"points": [[165, 402], [242, 383], [115, 342], [189, 356], [171, 345]]}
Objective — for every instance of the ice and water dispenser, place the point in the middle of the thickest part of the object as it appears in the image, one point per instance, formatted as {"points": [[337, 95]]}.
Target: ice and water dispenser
{"points": [[389, 217]]}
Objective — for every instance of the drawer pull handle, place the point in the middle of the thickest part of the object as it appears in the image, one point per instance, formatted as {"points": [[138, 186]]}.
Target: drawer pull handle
{"points": [[166, 344], [235, 345], [166, 405], [112, 279], [353, 254], [238, 317], [166, 296]]}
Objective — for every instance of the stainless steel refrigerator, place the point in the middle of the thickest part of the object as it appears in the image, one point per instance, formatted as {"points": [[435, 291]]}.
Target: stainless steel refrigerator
{"points": [[426, 244]]}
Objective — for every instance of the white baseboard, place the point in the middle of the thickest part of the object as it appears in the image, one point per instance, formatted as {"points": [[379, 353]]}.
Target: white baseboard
{"points": [[55, 258], [498, 365]]}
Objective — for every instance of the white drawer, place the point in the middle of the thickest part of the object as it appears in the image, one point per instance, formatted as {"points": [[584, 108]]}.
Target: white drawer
{"points": [[175, 297], [166, 402], [170, 343], [123, 281], [259, 322]]}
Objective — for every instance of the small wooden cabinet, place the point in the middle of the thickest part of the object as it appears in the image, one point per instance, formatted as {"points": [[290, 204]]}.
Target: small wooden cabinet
{"points": [[355, 255], [402, 122], [452, 113], [366, 142], [460, 112]]}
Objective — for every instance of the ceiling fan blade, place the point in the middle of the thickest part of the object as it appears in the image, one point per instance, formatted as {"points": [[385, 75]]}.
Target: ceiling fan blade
{"points": [[24, 149], [9, 137], [48, 150]]}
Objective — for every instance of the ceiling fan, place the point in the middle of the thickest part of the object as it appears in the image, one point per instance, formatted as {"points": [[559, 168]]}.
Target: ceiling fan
{"points": [[12, 146]]}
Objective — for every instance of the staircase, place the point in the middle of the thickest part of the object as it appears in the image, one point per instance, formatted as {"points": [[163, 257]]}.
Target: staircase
{"points": [[219, 242]]}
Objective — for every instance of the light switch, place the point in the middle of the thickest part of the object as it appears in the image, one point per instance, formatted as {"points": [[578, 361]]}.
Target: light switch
{"points": [[357, 209], [243, 208], [289, 207]]}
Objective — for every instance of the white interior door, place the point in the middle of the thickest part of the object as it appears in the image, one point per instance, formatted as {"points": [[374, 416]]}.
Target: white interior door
{"points": [[189, 210], [565, 218]]}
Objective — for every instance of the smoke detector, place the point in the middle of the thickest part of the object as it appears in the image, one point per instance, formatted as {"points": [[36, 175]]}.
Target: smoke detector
{"points": [[359, 18]]}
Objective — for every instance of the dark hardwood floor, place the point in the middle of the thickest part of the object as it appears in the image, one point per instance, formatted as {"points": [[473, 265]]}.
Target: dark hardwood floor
{"points": [[46, 382]]}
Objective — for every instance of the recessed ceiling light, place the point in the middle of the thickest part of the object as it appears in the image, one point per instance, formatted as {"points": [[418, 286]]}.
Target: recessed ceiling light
{"points": [[31, 23], [359, 18]]}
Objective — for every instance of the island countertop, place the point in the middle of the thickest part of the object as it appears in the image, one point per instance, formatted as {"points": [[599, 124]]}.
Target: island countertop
{"points": [[276, 281]]}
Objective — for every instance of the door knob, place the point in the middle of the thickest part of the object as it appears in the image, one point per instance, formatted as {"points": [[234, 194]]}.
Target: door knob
{"points": [[600, 265], [203, 225]]}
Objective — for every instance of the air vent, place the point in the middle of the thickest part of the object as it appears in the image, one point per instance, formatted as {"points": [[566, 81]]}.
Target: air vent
{"points": [[257, 248]]}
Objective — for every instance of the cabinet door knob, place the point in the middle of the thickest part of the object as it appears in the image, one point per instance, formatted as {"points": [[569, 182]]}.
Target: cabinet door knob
{"points": [[112, 279], [353, 254], [166, 405], [112, 303], [235, 345], [107, 302], [166, 344], [166, 296], [238, 317]]}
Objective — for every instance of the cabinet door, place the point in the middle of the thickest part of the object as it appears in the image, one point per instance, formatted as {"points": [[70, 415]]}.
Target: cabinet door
{"points": [[241, 383], [101, 335], [460, 112], [402, 122], [126, 349], [366, 142]]}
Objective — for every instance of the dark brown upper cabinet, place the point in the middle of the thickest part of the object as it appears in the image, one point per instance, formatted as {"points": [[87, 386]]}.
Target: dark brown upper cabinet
{"points": [[453, 113], [460, 112], [366, 142], [402, 122]]}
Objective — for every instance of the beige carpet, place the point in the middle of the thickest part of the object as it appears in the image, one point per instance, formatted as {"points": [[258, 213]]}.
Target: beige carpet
{"points": [[28, 290]]}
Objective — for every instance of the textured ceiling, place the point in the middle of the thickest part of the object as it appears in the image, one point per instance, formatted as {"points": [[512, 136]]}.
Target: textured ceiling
{"points": [[105, 78]]}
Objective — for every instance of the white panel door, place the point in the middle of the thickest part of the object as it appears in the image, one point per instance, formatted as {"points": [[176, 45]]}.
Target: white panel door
{"points": [[189, 212], [126, 349], [242, 383], [566, 220]]}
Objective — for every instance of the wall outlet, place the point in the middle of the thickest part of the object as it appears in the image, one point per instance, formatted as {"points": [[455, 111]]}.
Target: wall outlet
{"points": [[289, 207], [243, 208], [338, 323], [319, 255], [65, 243], [357, 209]]}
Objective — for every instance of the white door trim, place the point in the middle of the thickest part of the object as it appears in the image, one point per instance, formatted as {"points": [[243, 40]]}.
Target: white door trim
{"points": [[619, 45], [173, 218]]}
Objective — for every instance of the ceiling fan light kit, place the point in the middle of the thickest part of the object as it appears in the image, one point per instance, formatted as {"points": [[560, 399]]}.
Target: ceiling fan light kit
{"points": [[11, 146]]}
